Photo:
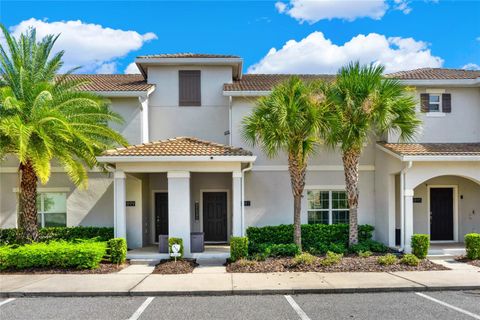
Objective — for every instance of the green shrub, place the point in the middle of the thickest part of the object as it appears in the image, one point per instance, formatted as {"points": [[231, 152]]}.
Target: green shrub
{"points": [[410, 259], [304, 259], [420, 244], [364, 254], [238, 248], [117, 249], [472, 245], [282, 250], [55, 254], [9, 236], [331, 259], [316, 238], [337, 248], [387, 259], [172, 241], [245, 263]]}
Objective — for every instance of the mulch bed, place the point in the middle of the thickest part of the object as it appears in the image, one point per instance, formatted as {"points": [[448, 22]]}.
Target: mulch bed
{"points": [[475, 263], [348, 264], [175, 267], [102, 269]]}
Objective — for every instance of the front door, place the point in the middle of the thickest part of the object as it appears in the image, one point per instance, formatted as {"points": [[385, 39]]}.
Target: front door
{"points": [[215, 216], [161, 214], [441, 214]]}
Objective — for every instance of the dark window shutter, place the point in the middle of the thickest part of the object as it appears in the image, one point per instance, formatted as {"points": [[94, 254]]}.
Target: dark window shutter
{"points": [[189, 88], [447, 102], [424, 100]]}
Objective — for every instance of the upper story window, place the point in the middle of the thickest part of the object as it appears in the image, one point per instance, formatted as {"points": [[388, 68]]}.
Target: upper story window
{"points": [[438, 103], [189, 88]]}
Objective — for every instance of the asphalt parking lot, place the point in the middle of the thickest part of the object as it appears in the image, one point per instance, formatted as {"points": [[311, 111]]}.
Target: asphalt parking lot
{"points": [[407, 305]]}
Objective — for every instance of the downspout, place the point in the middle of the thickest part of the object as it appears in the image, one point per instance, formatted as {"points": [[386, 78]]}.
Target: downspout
{"points": [[247, 168], [230, 120], [402, 204]]}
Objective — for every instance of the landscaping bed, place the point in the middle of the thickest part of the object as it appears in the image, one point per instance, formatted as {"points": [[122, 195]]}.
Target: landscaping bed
{"points": [[475, 263], [180, 266], [350, 263], [103, 268]]}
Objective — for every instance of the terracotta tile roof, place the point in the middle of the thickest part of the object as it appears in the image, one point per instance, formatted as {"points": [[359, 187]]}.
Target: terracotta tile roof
{"points": [[435, 74], [113, 82], [180, 146], [265, 82], [187, 55], [433, 149]]}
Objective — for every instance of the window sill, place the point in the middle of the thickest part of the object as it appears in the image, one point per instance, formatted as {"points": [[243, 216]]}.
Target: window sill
{"points": [[435, 114]]}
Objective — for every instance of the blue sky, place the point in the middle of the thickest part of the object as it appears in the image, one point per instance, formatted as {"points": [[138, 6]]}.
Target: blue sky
{"points": [[308, 36]]}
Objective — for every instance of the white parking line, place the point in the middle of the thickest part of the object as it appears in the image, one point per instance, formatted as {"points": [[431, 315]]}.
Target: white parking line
{"points": [[473, 315], [297, 308], [6, 301], [140, 309]]}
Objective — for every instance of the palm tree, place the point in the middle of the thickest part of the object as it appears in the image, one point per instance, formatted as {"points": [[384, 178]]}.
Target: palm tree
{"points": [[365, 104], [290, 119], [45, 117]]}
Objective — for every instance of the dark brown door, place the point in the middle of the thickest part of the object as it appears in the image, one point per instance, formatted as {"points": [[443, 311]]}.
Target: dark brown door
{"points": [[161, 214], [441, 213], [215, 216]]}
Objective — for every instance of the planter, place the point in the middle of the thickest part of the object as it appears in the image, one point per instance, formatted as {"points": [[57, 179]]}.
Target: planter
{"points": [[163, 243], [196, 241]]}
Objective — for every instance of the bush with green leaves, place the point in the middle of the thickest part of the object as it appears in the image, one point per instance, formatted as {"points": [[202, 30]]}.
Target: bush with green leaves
{"points": [[387, 259], [420, 244], [304, 259], [410, 260], [472, 245], [316, 238], [55, 254], [10, 236], [171, 242], [281, 250], [364, 254], [238, 248], [117, 250], [331, 258]]}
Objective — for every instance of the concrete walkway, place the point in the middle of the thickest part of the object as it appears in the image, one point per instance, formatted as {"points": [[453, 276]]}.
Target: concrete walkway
{"points": [[221, 283]]}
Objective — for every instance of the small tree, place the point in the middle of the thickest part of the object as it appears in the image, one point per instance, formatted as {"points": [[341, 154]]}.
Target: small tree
{"points": [[290, 119], [365, 104], [44, 116]]}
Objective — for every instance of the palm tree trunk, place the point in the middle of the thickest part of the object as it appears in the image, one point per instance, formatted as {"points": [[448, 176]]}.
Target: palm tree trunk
{"points": [[350, 166], [297, 170], [27, 218]]}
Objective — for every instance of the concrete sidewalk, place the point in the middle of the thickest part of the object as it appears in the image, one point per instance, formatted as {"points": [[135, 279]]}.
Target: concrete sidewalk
{"points": [[234, 283]]}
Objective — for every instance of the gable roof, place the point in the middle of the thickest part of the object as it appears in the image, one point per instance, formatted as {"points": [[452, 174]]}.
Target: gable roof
{"points": [[113, 82], [266, 82], [435, 74], [180, 146]]}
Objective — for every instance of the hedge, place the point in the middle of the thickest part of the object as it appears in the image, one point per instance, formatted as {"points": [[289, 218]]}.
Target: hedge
{"points": [[316, 238], [117, 250], [55, 254], [280, 250], [238, 248], [9, 236], [420, 244], [472, 245]]}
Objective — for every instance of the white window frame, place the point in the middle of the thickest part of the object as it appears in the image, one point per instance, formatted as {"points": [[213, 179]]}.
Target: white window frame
{"points": [[330, 203], [439, 103], [42, 212]]}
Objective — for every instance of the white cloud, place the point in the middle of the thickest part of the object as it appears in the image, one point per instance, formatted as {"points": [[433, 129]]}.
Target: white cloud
{"points": [[89, 45], [107, 68], [312, 11], [132, 68], [471, 66], [316, 54], [402, 5]]}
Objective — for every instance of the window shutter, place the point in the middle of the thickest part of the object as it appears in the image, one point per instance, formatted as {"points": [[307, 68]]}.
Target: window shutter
{"points": [[447, 102], [424, 100], [189, 88]]}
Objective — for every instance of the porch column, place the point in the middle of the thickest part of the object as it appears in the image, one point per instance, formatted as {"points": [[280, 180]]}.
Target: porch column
{"points": [[408, 200], [119, 206], [237, 228], [179, 207]]}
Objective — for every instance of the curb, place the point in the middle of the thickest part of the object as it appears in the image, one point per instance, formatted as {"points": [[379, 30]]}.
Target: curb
{"points": [[234, 292]]}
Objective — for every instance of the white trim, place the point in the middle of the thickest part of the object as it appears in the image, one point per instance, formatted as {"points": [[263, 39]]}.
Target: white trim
{"points": [[48, 189], [325, 188], [229, 213], [455, 210], [246, 93], [310, 168], [52, 169], [339, 187], [115, 159], [408, 193], [152, 212], [178, 174], [119, 175], [236, 174], [435, 114], [122, 94], [435, 91], [442, 82]]}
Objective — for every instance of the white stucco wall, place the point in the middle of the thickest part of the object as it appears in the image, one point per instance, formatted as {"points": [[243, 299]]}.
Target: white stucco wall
{"points": [[130, 110]]}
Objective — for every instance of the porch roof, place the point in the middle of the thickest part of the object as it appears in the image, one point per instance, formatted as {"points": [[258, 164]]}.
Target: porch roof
{"points": [[178, 149], [432, 151]]}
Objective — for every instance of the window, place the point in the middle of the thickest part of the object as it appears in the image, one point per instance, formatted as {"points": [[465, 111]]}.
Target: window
{"points": [[52, 209], [434, 103], [189, 88], [327, 207]]}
